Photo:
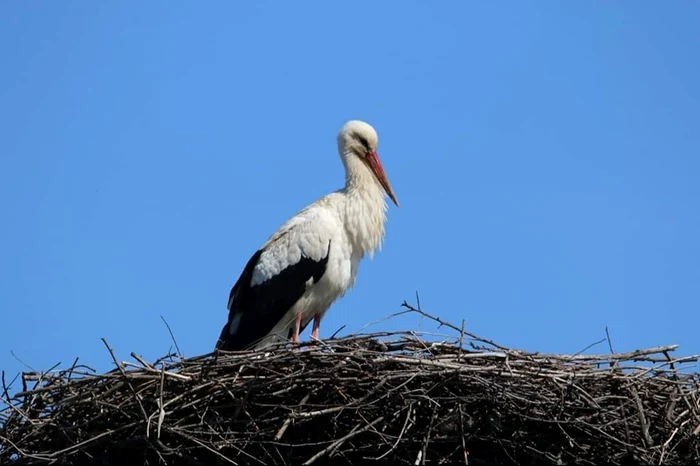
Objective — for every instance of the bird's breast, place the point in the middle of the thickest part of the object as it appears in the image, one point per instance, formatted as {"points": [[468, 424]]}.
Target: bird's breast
{"points": [[340, 268], [365, 217]]}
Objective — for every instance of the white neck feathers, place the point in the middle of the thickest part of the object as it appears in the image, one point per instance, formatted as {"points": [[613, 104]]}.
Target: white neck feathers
{"points": [[364, 209]]}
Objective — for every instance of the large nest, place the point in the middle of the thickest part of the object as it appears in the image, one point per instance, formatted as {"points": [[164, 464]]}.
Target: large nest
{"points": [[397, 398]]}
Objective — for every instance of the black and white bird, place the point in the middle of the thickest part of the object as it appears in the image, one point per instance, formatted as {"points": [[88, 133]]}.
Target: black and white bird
{"points": [[313, 259]]}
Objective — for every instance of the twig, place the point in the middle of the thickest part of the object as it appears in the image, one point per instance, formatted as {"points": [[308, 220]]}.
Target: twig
{"points": [[401, 434], [607, 335], [161, 409], [177, 348], [642, 418], [6, 387], [143, 362], [427, 435], [22, 362], [205, 446], [126, 379], [442, 322], [320, 412], [337, 332], [286, 424], [344, 439], [461, 340], [463, 435], [77, 446], [575, 355], [24, 453]]}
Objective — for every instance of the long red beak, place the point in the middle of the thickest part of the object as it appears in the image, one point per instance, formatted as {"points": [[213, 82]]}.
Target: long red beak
{"points": [[378, 170]]}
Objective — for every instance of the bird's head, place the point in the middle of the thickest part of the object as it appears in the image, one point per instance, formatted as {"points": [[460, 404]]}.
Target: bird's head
{"points": [[359, 139]]}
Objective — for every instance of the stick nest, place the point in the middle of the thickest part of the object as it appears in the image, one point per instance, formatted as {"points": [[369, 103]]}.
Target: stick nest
{"points": [[396, 398]]}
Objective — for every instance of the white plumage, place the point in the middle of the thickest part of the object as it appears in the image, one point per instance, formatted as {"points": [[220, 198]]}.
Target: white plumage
{"points": [[313, 259]]}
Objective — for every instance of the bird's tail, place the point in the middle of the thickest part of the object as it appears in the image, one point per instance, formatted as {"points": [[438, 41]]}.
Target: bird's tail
{"points": [[228, 342]]}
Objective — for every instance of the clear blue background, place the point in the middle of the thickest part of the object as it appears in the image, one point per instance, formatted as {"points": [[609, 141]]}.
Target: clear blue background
{"points": [[546, 156]]}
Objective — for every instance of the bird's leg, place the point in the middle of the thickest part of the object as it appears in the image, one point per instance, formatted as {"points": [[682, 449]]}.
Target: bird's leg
{"points": [[316, 327], [297, 326]]}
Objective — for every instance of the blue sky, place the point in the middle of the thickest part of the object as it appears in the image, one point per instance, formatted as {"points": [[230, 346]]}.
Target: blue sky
{"points": [[546, 156]]}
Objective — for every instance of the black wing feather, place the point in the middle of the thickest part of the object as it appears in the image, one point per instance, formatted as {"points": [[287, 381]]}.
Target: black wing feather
{"points": [[263, 305]]}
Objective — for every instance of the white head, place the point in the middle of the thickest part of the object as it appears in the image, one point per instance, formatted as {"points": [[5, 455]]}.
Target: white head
{"points": [[358, 139]]}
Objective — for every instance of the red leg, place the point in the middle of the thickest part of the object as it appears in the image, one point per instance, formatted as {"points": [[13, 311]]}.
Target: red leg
{"points": [[316, 327], [297, 326]]}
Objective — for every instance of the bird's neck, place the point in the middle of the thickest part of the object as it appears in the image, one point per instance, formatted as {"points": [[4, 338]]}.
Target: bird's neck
{"points": [[364, 209]]}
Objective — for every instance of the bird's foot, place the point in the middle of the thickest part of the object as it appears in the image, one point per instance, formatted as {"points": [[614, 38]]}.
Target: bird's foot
{"points": [[315, 332], [297, 327], [317, 326]]}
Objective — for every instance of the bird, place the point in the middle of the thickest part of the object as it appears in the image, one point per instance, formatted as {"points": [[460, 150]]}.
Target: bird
{"points": [[312, 260]]}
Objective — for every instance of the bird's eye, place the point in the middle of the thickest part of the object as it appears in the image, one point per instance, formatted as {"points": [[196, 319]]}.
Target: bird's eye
{"points": [[364, 142]]}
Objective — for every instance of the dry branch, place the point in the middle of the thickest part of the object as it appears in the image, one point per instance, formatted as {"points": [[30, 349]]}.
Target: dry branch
{"points": [[391, 397]]}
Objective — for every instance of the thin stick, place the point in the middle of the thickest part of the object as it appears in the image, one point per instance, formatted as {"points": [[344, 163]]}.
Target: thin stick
{"points": [[342, 440], [642, 418], [126, 379], [607, 335], [401, 434], [177, 348], [286, 424]]}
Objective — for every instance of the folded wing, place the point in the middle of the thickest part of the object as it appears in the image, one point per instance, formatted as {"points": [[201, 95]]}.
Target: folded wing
{"points": [[274, 279]]}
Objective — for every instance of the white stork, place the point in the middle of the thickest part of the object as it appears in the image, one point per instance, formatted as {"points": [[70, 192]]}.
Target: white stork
{"points": [[312, 260]]}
